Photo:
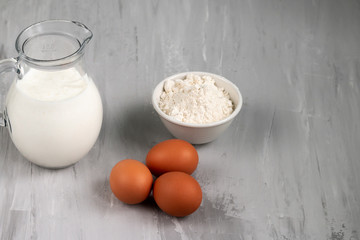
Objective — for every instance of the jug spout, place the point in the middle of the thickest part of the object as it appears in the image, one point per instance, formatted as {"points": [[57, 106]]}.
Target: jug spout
{"points": [[84, 33], [53, 43]]}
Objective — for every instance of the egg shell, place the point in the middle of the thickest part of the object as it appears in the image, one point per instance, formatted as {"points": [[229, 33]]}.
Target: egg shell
{"points": [[172, 155], [131, 181], [177, 193]]}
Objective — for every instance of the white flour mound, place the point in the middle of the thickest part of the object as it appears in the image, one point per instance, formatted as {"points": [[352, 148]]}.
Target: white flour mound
{"points": [[195, 99]]}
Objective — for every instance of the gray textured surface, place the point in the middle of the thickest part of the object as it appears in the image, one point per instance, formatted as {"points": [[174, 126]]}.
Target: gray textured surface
{"points": [[287, 169]]}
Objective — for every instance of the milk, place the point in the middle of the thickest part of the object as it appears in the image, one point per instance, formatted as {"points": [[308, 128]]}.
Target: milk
{"points": [[54, 117]]}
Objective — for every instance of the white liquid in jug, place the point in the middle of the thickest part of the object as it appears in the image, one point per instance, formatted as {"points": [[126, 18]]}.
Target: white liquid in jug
{"points": [[55, 117]]}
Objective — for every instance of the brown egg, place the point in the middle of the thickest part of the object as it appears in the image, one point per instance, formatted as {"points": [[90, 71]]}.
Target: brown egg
{"points": [[172, 155], [177, 193], [130, 181]]}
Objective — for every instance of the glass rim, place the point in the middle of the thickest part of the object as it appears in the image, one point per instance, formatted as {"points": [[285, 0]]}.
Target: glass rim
{"points": [[20, 43]]}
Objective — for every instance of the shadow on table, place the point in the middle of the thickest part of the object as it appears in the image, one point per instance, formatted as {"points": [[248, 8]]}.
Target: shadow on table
{"points": [[142, 127]]}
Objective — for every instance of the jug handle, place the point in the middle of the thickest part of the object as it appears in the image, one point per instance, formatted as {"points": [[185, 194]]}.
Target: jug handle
{"points": [[8, 65]]}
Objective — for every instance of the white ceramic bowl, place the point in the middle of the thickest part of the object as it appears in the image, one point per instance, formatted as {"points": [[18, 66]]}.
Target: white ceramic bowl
{"points": [[198, 133]]}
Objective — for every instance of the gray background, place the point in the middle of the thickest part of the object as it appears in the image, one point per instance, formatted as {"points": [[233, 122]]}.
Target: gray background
{"points": [[288, 168]]}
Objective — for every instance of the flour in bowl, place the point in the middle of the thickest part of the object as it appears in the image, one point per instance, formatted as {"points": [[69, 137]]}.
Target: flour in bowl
{"points": [[195, 99]]}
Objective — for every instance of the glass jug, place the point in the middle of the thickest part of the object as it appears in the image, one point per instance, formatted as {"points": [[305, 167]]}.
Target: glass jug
{"points": [[53, 110]]}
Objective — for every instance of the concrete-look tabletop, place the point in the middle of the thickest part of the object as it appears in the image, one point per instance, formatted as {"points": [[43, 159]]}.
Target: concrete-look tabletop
{"points": [[288, 166]]}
